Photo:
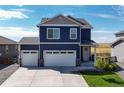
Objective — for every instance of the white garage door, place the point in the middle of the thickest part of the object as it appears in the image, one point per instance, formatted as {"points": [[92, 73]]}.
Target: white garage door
{"points": [[29, 58], [59, 58]]}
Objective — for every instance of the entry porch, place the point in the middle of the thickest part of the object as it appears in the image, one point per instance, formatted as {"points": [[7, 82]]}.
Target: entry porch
{"points": [[86, 55]]}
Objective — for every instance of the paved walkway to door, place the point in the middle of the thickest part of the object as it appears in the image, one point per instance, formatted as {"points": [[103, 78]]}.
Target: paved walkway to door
{"points": [[33, 77]]}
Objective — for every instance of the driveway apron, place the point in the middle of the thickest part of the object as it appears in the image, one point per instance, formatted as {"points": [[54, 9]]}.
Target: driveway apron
{"points": [[26, 77]]}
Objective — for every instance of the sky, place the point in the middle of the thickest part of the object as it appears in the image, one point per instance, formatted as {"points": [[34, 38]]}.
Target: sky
{"points": [[19, 21]]}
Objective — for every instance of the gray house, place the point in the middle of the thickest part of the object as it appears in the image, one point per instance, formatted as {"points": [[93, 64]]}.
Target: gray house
{"points": [[118, 47], [8, 49]]}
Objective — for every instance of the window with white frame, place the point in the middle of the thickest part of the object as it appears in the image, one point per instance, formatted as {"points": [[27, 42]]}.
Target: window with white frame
{"points": [[73, 33], [7, 48], [53, 33]]}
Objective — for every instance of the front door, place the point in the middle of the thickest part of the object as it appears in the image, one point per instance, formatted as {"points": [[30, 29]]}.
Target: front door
{"points": [[86, 53]]}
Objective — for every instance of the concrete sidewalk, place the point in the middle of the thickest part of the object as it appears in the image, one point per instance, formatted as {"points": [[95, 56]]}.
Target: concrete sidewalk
{"points": [[121, 71], [25, 77]]}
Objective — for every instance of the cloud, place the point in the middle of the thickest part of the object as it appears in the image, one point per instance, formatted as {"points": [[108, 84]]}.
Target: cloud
{"points": [[103, 39], [105, 16], [119, 9], [102, 31], [9, 14], [118, 13], [108, 16], [22, 10], [103, 36], [16, 33]]}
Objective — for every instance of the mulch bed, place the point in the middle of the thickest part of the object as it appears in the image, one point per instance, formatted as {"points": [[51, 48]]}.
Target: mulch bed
{"points": [[6, 71]]}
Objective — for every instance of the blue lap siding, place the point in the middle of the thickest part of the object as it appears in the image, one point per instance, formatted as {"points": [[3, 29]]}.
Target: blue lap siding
{"points": [[29, 47], [64, 34], [85, 34], [60, 47]]}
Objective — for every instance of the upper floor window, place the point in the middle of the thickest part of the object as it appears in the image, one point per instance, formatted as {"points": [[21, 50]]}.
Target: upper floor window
{"points": [[53, 33], [73, 33]]}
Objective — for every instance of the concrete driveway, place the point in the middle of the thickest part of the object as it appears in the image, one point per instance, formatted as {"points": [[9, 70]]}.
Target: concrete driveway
{"points": [[26, 77]]}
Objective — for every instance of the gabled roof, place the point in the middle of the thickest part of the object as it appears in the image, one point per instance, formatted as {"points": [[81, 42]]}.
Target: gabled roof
{"points": [[29, 40], [117, 42], [71, 20], [81, 21], [119, 34], [4, 40]]}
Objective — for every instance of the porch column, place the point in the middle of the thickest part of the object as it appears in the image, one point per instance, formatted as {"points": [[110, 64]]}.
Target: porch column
{"points": [[19, 54], [94, 55]]}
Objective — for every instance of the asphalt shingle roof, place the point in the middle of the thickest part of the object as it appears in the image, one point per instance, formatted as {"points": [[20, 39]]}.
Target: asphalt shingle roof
{"points": [[121, 32], [4, 40], [81, 21], [117, 42], [29, 40]]}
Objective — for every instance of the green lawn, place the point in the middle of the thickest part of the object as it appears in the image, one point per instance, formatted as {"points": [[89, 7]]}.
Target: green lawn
{"points": [[110, 79]]}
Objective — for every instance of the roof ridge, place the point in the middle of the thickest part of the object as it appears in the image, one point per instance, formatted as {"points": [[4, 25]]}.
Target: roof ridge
{"points": [[8, 39], [70, 18]]}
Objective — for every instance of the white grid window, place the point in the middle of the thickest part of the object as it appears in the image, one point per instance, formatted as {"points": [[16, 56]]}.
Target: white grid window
{"points": [[53, 33], [73, 33]]}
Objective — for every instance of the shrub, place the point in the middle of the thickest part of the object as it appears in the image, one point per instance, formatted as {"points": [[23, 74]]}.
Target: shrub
{"points": [[99, 64], [113, 66], [104, 65]]}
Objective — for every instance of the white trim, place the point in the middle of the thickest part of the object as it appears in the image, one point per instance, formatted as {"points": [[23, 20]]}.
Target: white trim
{"points": [[60, 50], [87, 27], [59, 43], [80, 43], [44, 51], [50, 43], [53, 31], [73, 33], [29, 51], [94, 55], [66, 25], [19, 55], [39, 63], [29, 43], [58, 25], [86, 45]]}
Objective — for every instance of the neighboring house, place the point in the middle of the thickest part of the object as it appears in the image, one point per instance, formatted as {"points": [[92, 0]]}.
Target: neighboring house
{"points": [[63, 41], [8, 49], [102, 50], [118, 47]]}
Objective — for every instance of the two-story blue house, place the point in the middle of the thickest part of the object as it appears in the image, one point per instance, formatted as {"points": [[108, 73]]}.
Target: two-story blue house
{"points": [[63, 41]]}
